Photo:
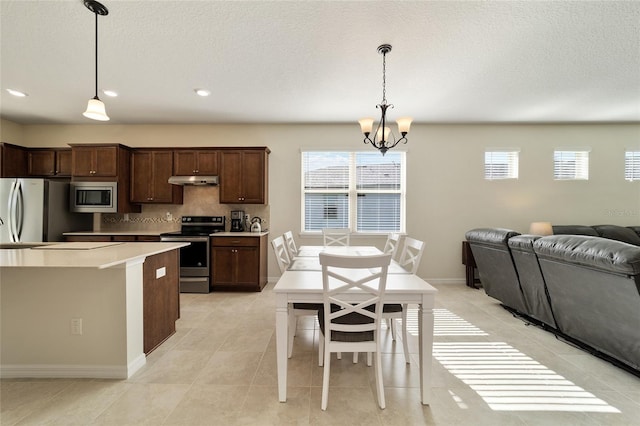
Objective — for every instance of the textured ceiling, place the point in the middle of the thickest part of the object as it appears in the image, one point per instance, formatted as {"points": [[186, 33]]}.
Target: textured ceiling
{"points": [[316, 61]]}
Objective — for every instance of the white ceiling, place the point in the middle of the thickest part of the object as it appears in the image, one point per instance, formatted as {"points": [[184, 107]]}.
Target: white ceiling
{"points": [[316, 61]]}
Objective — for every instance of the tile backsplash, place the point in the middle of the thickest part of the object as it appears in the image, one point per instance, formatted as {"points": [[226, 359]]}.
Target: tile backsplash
{"points": [[197, 201]]}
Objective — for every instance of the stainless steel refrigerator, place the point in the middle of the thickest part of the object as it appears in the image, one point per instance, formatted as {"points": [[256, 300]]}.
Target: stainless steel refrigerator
{"points": [[37, 210]]}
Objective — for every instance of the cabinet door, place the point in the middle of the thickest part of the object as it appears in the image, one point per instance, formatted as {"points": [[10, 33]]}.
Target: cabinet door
{"points": [[63, 162], [106, 161], [230, 177], [253, 177], [207, 163], [247, 266], [83, 161], [160, 304], [162, 169], [13, 160], [184, 163], [141, 177], [223, 265], [41, 163]]}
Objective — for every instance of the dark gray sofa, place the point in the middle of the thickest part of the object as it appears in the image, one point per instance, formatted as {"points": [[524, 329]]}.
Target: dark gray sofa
{"points": [[582, 287]]}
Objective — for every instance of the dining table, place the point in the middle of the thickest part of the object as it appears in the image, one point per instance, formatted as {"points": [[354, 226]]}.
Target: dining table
{"points": [[302, 283]]}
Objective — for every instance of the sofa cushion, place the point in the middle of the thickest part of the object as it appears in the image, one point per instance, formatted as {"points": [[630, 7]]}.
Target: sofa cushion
{"points": [[618, 233], [491, 236], [635, 229], [523, 242], [599, 253], [574, 230]]}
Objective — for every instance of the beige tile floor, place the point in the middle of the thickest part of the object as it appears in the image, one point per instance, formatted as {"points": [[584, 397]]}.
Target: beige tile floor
{"points": [[219, 369]]}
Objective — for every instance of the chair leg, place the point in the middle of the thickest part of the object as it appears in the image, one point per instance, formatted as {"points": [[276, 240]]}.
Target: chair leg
{"points": [[320, 350], [379, 384], [325, 379], [405, 344], [392, 325], [355, 357], [369, 356]]}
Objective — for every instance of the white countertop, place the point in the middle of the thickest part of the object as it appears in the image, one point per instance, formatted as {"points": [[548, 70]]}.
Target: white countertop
{"points": [[82, 255], [240, 234], [89, 233]]}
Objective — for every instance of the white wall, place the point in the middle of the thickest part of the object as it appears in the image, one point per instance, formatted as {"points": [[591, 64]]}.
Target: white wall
{"points": [[446, 192]]}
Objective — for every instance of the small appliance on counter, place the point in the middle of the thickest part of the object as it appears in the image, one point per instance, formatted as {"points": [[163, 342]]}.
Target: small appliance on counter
{"points": [[256, 224], [237, 221]]}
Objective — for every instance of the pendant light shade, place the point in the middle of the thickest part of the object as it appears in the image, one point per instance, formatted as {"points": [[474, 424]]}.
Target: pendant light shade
{"points": [[95, 107], [95, 110]]}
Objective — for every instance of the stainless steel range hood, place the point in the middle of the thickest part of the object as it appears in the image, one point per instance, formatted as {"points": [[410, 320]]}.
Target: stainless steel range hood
{"points": [[193, 180]]}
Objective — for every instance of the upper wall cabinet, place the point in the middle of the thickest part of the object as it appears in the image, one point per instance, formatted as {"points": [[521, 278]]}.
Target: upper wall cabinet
{"points": [[244, 175], [49, 162], [195, 162], [95, 160], [13, 160], [150, 172], [105, 163]]}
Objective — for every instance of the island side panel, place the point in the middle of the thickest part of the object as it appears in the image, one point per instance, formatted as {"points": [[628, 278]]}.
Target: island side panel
{"points": [[37, 306]]}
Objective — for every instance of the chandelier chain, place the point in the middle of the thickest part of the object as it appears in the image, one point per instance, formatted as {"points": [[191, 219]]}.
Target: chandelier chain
{"points": [[384, 78]]}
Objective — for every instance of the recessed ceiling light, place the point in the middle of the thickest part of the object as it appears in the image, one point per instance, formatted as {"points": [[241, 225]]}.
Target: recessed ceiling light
{"points": [[202, 92], [110, 93], [17, 93]]}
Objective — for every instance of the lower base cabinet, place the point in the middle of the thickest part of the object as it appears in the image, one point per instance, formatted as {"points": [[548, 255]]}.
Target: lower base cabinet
{"points": [[161, 300], [238, 263]]}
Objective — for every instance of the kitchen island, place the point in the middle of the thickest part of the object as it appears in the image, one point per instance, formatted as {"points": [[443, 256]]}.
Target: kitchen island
{"points": [[82, 309]]}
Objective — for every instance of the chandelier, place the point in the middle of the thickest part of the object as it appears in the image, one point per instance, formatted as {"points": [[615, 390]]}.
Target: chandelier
{"points": [[95, 107], [383, 138]]}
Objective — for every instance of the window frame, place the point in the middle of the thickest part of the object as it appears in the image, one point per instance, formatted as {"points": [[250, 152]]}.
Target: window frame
{"points": [[581, 168], [352, 191]]}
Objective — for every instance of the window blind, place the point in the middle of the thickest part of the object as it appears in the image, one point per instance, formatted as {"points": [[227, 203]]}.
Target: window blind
{"points": [[363, 191], [632, 165], [501, 164], [571, 165]]}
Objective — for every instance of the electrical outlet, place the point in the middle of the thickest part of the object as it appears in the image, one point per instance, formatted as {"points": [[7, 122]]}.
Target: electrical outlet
{"points": [[76, 326], [247, 217], [169, 217]]}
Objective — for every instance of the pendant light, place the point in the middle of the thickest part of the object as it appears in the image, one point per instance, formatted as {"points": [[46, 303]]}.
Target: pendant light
{"points": [[383, 138], [95, 107]]}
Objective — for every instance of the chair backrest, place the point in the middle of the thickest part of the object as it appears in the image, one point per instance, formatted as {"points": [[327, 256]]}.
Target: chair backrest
{"points": [[280, 251], [342, 274], [336, 236], [290, 243], [391, 246], [411, 254]]}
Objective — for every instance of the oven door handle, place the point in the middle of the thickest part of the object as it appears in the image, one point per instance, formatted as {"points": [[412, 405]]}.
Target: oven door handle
{"points": [[185, 239]]}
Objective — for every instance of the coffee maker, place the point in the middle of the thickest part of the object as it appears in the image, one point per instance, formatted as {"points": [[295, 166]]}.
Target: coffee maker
{"points": [[237, 220]]}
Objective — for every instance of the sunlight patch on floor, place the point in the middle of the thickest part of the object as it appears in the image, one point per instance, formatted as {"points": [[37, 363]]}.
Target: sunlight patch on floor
{"points": [[509, 380]]}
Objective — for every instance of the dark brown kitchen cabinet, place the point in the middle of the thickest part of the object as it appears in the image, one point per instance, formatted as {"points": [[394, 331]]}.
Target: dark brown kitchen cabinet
{"points": [[105, 163], [95, 160], [13, 160], [238, 263], [49, 162], [195, 162], [244, 176], [161, 293], [150, 172]]}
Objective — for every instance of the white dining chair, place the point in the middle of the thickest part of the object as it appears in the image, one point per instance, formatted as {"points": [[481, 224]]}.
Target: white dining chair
{"points": [[347, 326], [336, 236], [295, 310], [391, 245], [290, 243], [410, 260]]}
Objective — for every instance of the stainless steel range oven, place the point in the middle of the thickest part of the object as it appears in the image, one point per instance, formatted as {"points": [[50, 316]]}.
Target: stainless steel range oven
{"points": [[195, 259]]}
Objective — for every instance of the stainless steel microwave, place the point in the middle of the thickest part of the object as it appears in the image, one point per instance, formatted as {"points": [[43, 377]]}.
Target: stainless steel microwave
{"points": [[94, 197]]}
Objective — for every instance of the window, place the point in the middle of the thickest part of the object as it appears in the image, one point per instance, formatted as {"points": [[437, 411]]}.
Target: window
{"points": [[501, 164], [364, 191], [632, 165], [571, 165]]}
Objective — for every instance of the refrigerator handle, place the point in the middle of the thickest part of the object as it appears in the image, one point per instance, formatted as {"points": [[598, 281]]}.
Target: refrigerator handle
{"points": [[19, 212], [11, 217]]}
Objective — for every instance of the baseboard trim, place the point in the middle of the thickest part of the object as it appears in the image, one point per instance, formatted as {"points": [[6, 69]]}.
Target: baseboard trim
{"points": [[54, 371]]}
